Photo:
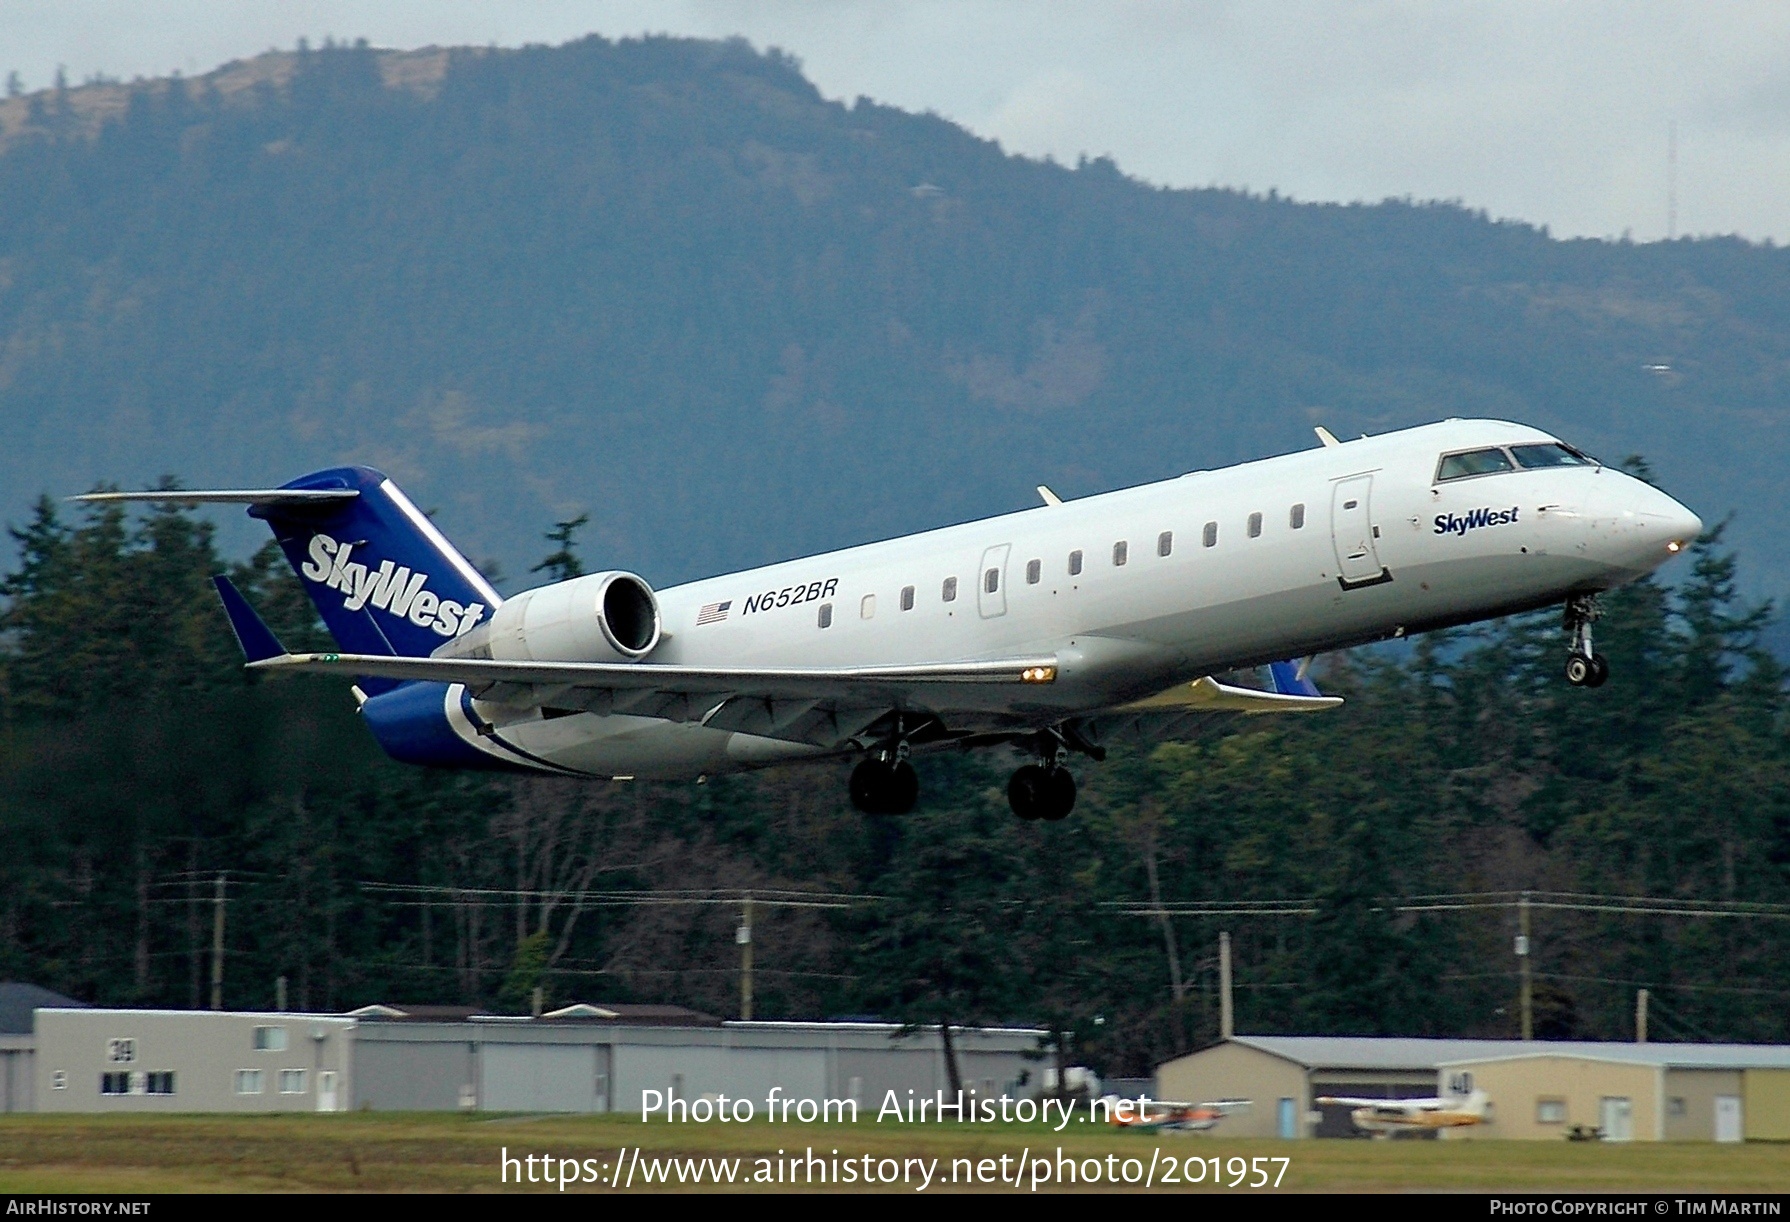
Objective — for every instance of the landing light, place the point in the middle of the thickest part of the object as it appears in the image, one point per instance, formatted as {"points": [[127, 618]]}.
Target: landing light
{"points": [[1674, 545], [1038, 674]]}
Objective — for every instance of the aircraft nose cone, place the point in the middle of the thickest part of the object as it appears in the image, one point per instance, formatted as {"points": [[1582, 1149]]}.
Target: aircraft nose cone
{"points": [[1673, 525]]}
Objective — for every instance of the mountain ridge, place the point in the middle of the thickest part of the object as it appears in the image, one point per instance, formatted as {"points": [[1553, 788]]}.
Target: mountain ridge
{"points": [[666, 282]]}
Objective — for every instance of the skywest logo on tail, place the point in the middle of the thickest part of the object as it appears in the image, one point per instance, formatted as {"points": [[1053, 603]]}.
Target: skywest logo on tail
{"points": [[393, 589]]}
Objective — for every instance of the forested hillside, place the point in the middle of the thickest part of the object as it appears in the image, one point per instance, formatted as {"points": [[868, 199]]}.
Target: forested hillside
{"points": [[665, 282], [137, 763]]}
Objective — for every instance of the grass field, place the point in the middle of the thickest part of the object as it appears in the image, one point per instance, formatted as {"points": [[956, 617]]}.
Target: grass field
{"points": [[438, 1152]]}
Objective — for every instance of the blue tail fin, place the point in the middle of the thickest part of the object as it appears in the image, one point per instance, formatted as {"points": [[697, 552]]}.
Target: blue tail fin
{"points": [[1290, 679], [383, 578]]}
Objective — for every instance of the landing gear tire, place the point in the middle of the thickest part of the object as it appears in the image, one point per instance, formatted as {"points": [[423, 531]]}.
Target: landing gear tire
{"points": [[881, 787], [1585, 667], [1582, 671], [1036, 792]]}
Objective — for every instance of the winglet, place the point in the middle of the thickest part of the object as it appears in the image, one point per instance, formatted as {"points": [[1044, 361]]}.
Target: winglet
{"points": [[1326, 436], [1209, 695], [256, 638], [1290, 679], [1050, 498]]}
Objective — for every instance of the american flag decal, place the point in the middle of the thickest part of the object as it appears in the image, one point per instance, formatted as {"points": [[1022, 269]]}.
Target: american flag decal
{"points": [[713, 613]]}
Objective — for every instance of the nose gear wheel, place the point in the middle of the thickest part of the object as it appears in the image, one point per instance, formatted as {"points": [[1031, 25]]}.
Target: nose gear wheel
{"points": [[1585, 667]]}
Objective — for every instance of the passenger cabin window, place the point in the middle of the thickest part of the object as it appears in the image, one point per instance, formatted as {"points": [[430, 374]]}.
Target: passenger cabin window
{"points": [[825, 618], [1075, 563], [1121, 553], [1209, 536], [1165, 543], [1034, 571], [991, 580], [907, 598], [1296, 518], [1549, 455], [1473, 462], [867, 607], [949, 592], [1255, 526]]}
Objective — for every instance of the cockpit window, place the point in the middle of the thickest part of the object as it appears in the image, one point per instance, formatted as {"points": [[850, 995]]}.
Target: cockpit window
{"points": [[1552, 454], [1473, 462]]}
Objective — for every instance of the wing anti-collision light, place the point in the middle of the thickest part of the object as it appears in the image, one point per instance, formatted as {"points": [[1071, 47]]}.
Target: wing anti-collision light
{"points": [[1038, 674]]}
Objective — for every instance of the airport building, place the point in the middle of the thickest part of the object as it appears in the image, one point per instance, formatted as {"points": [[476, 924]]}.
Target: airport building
{"points": [[1634, 1092], [18, 1045], [1538, 1089], [582, 1058]]}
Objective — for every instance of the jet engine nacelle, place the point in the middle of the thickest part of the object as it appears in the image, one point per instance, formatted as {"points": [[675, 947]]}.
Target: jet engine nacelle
{"points": [[605, 617]]}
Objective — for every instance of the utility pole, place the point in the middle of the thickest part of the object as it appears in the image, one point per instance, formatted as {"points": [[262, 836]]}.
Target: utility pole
{"points": [[1226, 1027], [1641, 1017], [279, 994], [217, 944], [1526, 999], [743, 935]]}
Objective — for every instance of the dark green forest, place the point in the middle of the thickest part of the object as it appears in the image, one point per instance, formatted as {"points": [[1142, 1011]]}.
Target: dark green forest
{"points": [[666, 283], [137, 762]]}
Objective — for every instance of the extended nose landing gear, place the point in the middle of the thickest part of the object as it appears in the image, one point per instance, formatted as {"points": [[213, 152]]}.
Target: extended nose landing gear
{"points": [[1584, 666], [1044, 790]]}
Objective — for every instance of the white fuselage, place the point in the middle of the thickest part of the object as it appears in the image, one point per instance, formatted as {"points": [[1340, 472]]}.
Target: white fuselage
{"points": [[1279, 558]]}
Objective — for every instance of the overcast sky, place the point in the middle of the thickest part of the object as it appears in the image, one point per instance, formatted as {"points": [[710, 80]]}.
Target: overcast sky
{"points": [[1553, 112]]}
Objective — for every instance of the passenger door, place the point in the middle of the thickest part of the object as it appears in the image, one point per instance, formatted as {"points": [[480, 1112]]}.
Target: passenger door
{"points": [[991, 581], [1354, 535]]}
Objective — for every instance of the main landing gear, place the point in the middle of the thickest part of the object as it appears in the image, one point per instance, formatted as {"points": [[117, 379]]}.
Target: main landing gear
{"points": [[1584, 666], [884, 783], [1044, 790]]}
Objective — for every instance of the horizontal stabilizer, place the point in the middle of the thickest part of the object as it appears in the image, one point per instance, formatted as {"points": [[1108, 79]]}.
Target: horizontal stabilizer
{"points": [[1208, 694], [252, 633], [225, 496]]}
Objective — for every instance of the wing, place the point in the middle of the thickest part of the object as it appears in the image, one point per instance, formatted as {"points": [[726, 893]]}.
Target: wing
{"points": [[1352, 1101], [1184, 709], [1208, 695], [818, 705]]}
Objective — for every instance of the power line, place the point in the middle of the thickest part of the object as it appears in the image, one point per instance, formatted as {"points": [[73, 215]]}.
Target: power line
{"points": [[417, 895], [1466, 901]]}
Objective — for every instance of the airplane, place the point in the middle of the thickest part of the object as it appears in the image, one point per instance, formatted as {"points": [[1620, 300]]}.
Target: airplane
{"points": [[1386, 1117], [1058, 629], [1168, 1116]]}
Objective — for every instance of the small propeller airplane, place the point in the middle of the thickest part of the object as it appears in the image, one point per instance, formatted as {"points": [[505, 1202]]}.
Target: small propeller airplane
{"points": [[1386, 1117], [1169, 1116]]}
